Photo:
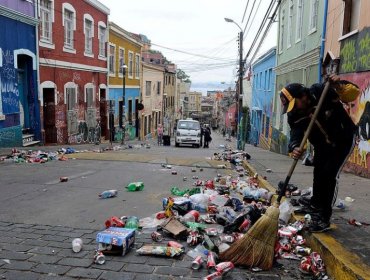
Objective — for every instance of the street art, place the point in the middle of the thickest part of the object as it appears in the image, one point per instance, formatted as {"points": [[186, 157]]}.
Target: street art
{"points": [[9, 84], [359, 110], [355, 52]]}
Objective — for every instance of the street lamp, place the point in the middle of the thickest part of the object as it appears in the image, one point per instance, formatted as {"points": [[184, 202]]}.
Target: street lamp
{"points": [[240, 91], [121, 118]]}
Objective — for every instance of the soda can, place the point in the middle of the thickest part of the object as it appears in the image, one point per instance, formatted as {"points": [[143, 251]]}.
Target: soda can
{"points": [[161, 215], [211, 231], [302, 250], [227, 238], [175, 244], [63, 179], [197, 263], [174, 172], [244, 226], [156, 236], [114, 222], [193, 238], [99, 258], [185, 179], [224, 267], [285, 233], [214, 276], [211, 261]]}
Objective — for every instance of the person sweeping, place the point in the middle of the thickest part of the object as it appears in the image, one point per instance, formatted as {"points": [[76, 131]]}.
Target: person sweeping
{"points": [[332, 136]]}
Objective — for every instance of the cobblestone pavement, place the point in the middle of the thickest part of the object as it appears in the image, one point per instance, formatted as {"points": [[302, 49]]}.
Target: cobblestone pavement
{"points": [[44, 252]]}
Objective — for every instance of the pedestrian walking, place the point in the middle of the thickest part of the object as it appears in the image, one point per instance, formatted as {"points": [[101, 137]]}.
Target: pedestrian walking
{"points": [[207, 137], [201, 135], [332, 137], [159, 134]]}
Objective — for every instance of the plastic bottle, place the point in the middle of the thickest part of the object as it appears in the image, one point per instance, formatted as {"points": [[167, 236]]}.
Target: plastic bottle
{"points": [[132, 222], [77, 245], [108, 194], [178, 192], [191, 216], [135, 186]]}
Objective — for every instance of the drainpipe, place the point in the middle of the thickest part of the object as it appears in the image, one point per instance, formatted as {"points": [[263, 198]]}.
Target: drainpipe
{"points": [[323, 39], [40, 97]]}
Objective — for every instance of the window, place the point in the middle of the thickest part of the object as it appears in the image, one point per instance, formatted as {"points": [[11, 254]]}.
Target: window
{"points": [[102, 39], [137, 66], [46, 19], [130, 64], [270, 79], [71, 98], [148, 88], [313, 15], [282, 33], [89, 33], [121, 57], [158, 88], [298, 30], [290, 23], [68, 31], [89, 97], [112, 59], [266, 80], [351, 15]]}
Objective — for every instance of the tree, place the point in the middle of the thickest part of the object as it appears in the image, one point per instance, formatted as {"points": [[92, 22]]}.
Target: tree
{"points": [[181, 75]]}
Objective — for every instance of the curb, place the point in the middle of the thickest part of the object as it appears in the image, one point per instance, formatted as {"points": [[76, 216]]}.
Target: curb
{"points": [[340, 263]]}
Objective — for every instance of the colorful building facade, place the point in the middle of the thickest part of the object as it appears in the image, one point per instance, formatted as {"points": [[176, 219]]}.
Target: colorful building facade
{"points": [[19, 99], [348, 37], [73, 69], [262, 98], [125, 50]]}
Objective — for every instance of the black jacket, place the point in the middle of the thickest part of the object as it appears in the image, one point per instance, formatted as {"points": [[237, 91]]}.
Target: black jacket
{"points": [[333, 126]]}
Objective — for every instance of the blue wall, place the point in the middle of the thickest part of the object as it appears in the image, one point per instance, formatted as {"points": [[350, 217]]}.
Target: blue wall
{"points": [[116, 94], [16, 35], [262, 95]]}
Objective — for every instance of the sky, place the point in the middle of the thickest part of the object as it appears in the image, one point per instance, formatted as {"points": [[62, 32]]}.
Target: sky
{"points": [[194, 35]]}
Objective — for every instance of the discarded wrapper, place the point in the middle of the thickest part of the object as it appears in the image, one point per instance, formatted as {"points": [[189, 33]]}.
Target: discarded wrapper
{"points": [[159, 251], [174, 227]]}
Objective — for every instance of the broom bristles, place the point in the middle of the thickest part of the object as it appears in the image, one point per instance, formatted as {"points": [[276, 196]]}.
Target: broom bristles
{"points": [[256, 248]]}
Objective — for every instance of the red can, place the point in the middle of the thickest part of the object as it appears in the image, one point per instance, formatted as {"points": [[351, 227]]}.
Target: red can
{"points": [[114, 222], [245, 225], [224, 267], [211, 261], [214, 276], [175, 244], [193, 213], [197, 263], [227, 238], [156, 236], [194, 238], [161, 215], [210, 185]]}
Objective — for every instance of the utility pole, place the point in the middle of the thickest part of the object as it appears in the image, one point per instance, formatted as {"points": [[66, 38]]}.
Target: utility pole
{"points": [[240, 93]]}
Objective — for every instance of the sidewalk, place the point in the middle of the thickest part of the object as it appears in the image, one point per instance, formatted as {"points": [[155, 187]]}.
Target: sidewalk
{"points": [[346, 248]]}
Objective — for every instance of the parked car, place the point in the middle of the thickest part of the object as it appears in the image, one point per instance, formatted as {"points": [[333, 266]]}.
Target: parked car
{"points": [[188, 133]]}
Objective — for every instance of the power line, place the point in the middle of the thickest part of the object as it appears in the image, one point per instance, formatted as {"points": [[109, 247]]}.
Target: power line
{"points": [[246, 7], [250, 15]]}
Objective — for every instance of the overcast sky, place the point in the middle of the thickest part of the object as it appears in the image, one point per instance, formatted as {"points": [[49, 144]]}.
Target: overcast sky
{"points": [[196, 27]]}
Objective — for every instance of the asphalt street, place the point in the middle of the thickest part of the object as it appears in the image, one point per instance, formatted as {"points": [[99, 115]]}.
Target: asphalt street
{"points": [[39, 215]]}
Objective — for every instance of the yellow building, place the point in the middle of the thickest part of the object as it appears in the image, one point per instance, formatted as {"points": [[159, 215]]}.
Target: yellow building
{"points": [[124, 55]]}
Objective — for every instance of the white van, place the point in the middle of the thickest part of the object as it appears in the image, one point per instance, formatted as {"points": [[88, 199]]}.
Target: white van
{"points": [[188, 132]]}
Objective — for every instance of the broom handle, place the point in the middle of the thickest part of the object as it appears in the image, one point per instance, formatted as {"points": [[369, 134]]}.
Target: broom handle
{"points": [[305, 137]]}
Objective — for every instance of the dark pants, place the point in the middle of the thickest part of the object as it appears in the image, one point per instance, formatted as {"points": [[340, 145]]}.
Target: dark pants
{"points": [[328, 163], [201, 140]]}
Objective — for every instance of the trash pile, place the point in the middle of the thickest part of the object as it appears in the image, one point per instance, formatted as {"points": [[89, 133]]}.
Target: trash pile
{"points": [[235, 157], [30, 156], [204, 221]]}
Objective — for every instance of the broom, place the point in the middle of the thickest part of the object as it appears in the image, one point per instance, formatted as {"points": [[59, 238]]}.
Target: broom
{"points": [[256, 248]]}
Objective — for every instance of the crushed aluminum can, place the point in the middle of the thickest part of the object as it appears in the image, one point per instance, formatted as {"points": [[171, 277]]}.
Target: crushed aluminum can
{"points": [[99, 258], [290, 256], [175, 244], [227, 238], [302, 250], [211, 231], [244, 226], [211, 261], [305, 265], [224, 267], [214, 276], [197, 263], [193, 238], [174, 172], [238, 235], [156, 236], [195, 177], [160, 215], [298, 240], [185, 179], [193, 170], [285, 233], [63, 179]]}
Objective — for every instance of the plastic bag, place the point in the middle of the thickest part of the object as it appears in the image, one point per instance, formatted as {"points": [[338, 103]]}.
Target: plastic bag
{"points": [[286, 210], [199, 198]]}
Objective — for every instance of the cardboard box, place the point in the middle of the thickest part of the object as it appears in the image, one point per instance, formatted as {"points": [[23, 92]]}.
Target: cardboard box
{"points": [[118, 237]]}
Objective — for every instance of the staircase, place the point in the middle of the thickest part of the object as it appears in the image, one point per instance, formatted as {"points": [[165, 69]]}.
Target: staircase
{"points": [[28, 139]]}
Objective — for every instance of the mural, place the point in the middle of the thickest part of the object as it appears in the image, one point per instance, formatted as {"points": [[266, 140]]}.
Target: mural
{"points": [[359, 110], [9, 84]]}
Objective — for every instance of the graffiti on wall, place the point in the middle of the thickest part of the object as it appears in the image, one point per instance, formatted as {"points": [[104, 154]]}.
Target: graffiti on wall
{"points": [[355, 52], [359, 110], [9, 84]]}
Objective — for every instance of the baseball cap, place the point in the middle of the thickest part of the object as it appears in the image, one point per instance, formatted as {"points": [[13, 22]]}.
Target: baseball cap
{"points": [[288, 94]]}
